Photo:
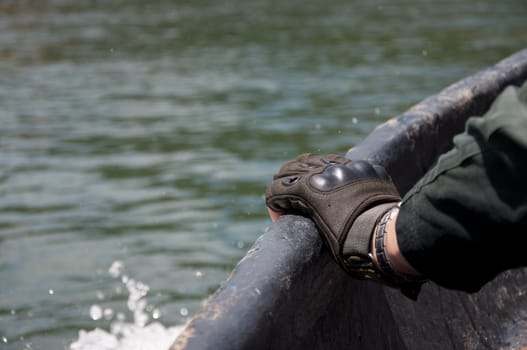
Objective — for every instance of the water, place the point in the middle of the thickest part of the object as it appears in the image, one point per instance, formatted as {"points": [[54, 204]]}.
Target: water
{"points": [[143, 133]]}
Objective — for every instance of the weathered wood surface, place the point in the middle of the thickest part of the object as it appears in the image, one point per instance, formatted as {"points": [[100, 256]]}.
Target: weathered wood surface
{"points": [[286, 293]]}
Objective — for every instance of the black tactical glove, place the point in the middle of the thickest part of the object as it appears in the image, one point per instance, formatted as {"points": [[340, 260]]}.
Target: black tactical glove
{"points": [[346, 199]]}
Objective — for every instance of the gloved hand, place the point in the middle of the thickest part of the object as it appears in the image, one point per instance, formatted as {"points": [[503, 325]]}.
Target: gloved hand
{"points": [[345, 198]]}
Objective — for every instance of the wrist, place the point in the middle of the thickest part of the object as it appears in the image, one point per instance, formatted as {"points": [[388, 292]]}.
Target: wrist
{"points": [[393, 255], [364, 253], [388, 259]]}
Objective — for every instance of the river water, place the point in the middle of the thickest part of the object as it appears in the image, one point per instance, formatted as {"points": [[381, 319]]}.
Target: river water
{"points": [[137, 137]]}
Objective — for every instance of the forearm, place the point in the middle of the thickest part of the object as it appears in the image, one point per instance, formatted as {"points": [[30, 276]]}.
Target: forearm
{"points": [[464, 222]]}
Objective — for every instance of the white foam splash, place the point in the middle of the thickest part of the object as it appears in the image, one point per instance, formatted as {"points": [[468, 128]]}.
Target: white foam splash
{"points": [[139, 335], [126, 336]]}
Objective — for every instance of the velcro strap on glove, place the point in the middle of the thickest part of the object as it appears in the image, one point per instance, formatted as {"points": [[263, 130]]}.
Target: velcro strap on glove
{"points": [[358, 242]]}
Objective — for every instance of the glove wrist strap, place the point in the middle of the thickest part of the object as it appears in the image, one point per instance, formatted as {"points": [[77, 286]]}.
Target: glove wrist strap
{"points": [[357, 251], [358, 240], [357, 258]]}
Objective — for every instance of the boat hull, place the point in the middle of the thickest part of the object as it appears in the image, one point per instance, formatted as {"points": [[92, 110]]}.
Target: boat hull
{"points": [[287, 293]]}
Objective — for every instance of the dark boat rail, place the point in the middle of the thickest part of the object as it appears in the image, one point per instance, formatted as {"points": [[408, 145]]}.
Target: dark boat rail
{"points": [[287, 293]]}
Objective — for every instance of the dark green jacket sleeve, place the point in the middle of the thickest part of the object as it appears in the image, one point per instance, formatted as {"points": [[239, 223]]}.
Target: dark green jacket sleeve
{"points": [[465, 221]]}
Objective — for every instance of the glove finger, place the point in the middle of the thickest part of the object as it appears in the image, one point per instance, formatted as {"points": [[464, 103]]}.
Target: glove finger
{"points": [[278, 197], [290, 168], [317, 160], [307, 162], [334, 158]]}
